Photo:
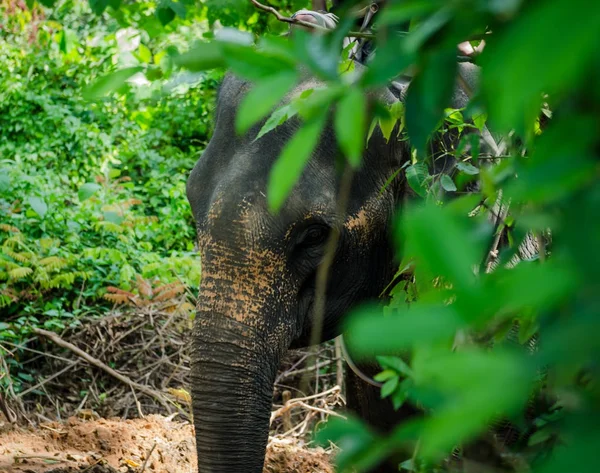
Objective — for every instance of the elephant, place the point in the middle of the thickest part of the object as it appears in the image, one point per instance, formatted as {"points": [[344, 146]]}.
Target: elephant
{"points": [[258, 271]]}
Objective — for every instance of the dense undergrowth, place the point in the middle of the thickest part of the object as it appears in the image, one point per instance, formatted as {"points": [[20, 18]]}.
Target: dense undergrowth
{"points": [[92, 193]]}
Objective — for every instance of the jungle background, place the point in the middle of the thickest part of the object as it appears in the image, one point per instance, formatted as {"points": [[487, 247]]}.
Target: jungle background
{"points": [[106, 105]]}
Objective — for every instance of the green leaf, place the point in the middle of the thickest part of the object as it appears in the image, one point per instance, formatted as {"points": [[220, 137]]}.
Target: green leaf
{"points": [[350, 125], [4, 180], [428, 95], [440, 243], [475, 383], [201, 56], [395, 363], [252, 64], [279, 116], [371, 333], [261, 99], [467, 168], [360, 449], [98, 6], [63, 41], [522, 63], [38, 205], [165, 14], [389, 387], [178, 8], [385, 375], [113, 217], [289, 166], [416, 175], [87, 190], [447, 183], [144, 54], [387, 64], [110, 82]]}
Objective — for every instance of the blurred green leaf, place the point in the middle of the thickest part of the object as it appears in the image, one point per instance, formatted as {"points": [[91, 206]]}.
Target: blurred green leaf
{"points": [[350, 125], [87, 190], [379, 334], [98, 6], [291, 162], [467, 168], [440, 243], [529, 59], [262, 98], [201, 56], [38, 205], [277, 118], [389, 387], [110, 82], [561, 161], [429, 94], [475, 382]]}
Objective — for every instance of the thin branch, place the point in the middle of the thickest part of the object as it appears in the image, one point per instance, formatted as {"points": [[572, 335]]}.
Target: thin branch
{"points": [[99, 364], [295, 21], [147, 458]]}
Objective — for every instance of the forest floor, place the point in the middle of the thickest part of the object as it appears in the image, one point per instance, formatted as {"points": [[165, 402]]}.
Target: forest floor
{"points": [[154, 444], [112, 394]]}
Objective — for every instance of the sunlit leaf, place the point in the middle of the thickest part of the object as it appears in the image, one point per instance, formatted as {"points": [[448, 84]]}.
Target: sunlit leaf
{"points": [[110, 82]]}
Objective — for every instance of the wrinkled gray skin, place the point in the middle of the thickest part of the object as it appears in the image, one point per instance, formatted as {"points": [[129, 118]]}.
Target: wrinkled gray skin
{"points": [[258, 272]]}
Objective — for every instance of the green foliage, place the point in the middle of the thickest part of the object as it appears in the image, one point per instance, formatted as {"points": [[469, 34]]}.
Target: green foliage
{"points": [[470, 346], [92, 193]]}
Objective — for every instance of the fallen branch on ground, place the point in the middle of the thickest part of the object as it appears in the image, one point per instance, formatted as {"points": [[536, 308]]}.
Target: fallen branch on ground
{"points": [[94, 361]]}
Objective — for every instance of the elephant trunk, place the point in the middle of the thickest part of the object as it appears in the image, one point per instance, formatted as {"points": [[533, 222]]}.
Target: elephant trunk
{"points": [[241, 332], [232, 379]]}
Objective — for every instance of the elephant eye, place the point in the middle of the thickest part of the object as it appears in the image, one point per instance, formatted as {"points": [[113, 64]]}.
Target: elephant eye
{"points": [[314, 235]]}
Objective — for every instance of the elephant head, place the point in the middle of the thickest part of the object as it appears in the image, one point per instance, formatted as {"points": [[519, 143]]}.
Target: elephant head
{"points": [[258, 269]]}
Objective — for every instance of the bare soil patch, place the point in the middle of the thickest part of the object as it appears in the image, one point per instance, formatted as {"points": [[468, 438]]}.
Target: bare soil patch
{"points": [[154, 444]]}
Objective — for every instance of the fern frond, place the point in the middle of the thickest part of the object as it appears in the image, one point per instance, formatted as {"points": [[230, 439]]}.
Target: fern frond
{"points": [[47, 243], [21, 257], [12, 241], [9, 228], [41, 275], [109, 227], [19, 273], [143, 286], [117, 298], [116, 290], [53, 263]]}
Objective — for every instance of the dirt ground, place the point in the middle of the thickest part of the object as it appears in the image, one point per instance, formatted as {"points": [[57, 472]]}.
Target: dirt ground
{"points": [[154, 444]]}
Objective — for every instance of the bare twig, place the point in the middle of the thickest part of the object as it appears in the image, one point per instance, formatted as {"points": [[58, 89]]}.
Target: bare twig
{"points": [[147, 458], [44, 381], [99, 364], [295, 21]]}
